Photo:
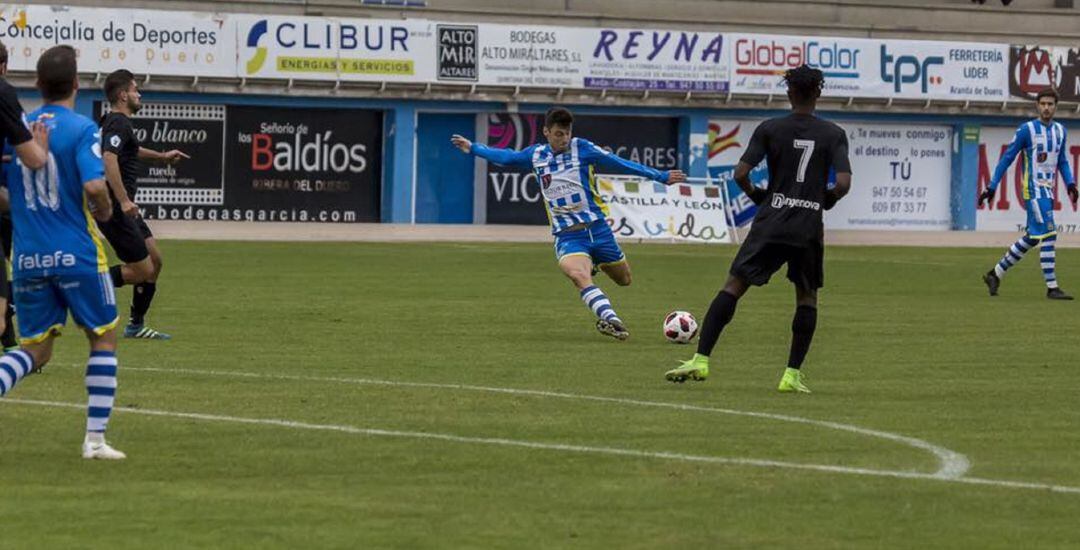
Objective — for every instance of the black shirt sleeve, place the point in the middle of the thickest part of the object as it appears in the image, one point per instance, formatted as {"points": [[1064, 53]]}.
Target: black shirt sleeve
{"points": [[755, 151], [840, 161], [115, 135], [12, 121]]}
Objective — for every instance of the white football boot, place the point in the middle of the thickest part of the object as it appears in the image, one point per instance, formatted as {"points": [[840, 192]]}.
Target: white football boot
{"points": [[100, 450]]}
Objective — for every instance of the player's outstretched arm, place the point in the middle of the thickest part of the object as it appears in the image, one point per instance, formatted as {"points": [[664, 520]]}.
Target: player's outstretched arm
{"points": [[97, 194], [462, 143], [605, 159], [168, 157], [742, 179], [505, 157], [675, 176]]}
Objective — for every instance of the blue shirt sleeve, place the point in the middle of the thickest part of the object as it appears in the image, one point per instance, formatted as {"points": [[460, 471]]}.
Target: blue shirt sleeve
{"points": [[1019, 142], [1063, 160], [88, 155], [505, 157], [590, 153]]}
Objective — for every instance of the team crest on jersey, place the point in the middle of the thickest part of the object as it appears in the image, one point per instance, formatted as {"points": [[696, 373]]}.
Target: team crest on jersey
{"points": [[114, 141], [545, 181], [1041, 156]]}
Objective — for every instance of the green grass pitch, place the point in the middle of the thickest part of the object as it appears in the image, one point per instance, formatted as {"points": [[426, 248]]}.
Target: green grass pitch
{"points": [[907, 343]]}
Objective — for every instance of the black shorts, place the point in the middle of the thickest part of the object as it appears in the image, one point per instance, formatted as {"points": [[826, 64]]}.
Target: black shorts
{"points": [[127, 236], [3, 280], [757, 261]]}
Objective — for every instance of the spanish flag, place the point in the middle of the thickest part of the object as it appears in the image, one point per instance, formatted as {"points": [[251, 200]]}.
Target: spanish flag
{"points": [[719, 143]]}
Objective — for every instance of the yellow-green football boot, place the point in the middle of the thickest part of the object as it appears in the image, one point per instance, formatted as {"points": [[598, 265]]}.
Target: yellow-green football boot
{"points": [[792, 382], [696, 369]]}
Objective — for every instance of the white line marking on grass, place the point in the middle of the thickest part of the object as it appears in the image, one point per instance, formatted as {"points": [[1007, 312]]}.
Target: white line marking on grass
{"points": [[896, 262], [951, 464], [610, 451]]}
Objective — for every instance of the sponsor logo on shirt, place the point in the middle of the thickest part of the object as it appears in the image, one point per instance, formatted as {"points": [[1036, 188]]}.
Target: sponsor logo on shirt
{"points": [[780, 201], [45, 261]]}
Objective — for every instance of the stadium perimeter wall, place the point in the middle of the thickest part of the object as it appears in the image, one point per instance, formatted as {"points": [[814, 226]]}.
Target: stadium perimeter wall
{"points": [[389, 232], [411, 175], [412, 188]]}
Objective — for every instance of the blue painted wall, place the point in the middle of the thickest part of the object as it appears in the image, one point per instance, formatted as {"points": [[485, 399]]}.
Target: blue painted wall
{"points": [[444, 175]]}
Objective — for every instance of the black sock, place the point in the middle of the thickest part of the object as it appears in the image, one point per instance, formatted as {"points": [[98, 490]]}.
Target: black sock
{"points": [[720, 313], [802, 332], [7, 339], [140, 301], [117, 276]]}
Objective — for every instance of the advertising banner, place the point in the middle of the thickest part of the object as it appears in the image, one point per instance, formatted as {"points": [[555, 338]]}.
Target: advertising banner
{"points": [[142, 41], [419, 51], [1036, 68], [198, 131], [1007, 211], [295, 165], [901, 175], [633, 59], [513, 195], [616, 59], [903, 69], [319, 48], [531, 56], [942, 70], [727, 141], [457, 52], [643, 209], [901, 178], [759, 62]]}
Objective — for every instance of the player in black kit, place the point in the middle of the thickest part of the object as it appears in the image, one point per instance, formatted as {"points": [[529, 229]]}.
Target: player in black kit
{"points": [[31, 146], [800, 149], [126, 231]]}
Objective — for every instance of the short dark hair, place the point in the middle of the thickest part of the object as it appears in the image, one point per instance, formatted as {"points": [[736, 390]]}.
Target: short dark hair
{"points": [[804, 83], [558, 116], [3, 54], [117, 81], [57, 72], [1048, 92]]}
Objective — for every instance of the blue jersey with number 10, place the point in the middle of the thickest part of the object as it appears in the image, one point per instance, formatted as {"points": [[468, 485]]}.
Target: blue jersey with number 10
{"points": [[54, 232]]}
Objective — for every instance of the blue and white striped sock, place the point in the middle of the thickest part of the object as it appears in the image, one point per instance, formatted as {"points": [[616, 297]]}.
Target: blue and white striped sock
{"points": [[1048, 261], [13, 366], [1014, 254], [598, 302], [101, 388]]}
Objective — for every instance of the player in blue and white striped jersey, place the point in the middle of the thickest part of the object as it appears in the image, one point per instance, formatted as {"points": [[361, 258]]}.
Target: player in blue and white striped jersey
{"points": [[1041, 143], [565, 168]]}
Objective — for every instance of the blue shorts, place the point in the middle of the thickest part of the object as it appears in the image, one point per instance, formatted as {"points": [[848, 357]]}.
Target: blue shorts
{"points": [[42, 304], [595, 241], [1040, 218]]}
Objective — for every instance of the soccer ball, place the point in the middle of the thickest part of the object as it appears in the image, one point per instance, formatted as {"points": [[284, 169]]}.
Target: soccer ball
{"points": [[680, 327]]}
